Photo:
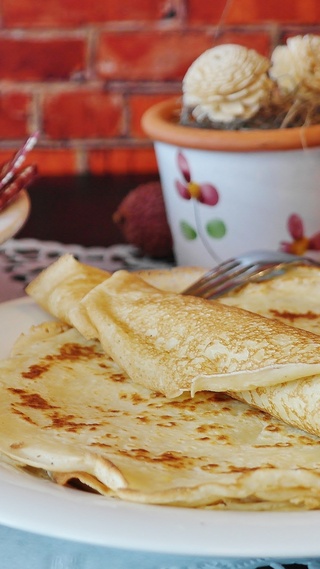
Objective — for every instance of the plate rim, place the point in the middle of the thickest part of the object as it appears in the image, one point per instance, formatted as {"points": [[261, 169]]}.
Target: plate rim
{"points": [[14, 216]]}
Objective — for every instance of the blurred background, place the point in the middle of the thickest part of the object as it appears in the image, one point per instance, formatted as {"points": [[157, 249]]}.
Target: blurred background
{"points": [[84, 72]]}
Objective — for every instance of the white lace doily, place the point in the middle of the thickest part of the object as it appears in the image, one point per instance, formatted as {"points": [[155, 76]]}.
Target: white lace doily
{"points": [[22, 259]]}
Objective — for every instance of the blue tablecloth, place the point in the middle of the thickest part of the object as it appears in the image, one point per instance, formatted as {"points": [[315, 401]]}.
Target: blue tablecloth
{"points": [[23, 550]]}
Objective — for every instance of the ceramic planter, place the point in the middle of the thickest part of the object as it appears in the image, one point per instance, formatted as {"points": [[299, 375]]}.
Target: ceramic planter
{"points": [[227, 192]]}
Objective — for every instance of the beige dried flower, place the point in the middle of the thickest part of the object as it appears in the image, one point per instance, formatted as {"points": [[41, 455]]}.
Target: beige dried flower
{"points": [[225, 83], [296, 65]]}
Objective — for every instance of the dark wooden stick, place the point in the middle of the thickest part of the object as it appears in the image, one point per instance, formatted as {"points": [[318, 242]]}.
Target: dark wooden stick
{"points": [[22, 180]]}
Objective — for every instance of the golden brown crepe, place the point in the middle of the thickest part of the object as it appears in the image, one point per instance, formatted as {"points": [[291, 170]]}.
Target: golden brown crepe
{"points": [[67, 408], [261, 361], [175, 343], [295, 402], [60, 288], [292, 298]]}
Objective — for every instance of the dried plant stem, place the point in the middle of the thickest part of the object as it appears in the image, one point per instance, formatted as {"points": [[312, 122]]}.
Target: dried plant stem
{"points": [[290, 115], [280, 112]]}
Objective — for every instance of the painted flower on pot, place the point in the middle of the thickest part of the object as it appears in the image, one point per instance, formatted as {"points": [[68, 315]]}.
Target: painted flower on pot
{"points": [[301, 243], [199, 193]]}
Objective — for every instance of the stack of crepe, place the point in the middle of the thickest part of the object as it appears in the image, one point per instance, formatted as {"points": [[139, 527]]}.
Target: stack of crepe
{"points": [[138, 392]]}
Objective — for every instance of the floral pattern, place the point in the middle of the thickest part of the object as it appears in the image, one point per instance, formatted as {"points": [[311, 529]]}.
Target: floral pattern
{"points": [[198, 193], [204, 193], [300, 242]]}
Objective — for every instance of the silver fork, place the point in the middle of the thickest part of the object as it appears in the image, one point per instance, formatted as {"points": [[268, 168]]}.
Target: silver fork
{"points": [[246, 268]]}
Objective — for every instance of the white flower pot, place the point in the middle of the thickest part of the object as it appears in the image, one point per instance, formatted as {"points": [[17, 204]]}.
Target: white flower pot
{"points": [[249, 189]]}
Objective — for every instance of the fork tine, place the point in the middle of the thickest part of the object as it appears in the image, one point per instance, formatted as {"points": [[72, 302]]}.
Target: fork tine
{"points": [[208, 288], [244, 261], [250, 274], [235, 272], [228, 282], [207, 278]]}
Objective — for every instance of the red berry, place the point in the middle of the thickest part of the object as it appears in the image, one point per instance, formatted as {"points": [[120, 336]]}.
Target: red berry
{"points": [[142, 219]]}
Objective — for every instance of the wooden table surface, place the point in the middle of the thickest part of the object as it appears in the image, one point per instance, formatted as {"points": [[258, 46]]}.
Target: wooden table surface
{"points": [[78, 209]]}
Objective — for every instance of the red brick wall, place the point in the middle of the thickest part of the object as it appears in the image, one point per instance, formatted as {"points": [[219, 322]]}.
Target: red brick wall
{"points": [[83, 72]]}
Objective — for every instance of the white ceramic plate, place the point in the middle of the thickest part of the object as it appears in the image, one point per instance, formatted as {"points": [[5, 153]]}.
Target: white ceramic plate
{"points": [[42, 507], [13, 217]]}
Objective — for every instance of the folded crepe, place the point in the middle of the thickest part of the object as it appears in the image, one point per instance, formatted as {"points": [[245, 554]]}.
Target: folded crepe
{"points": [[293, 297], [59, 288], [67, 409], [173, 343]]}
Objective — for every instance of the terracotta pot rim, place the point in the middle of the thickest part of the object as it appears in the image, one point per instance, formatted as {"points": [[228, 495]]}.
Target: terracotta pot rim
{"points": [[160, 123]]}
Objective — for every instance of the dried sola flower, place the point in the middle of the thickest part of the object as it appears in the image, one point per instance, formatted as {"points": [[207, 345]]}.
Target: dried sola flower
{"points": [[296, 65], [227, 82]]}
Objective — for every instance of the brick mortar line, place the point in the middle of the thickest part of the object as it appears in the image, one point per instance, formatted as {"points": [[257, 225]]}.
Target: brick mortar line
{"points": [[85, 31], [108, 87], [19, 34], [82, 143]]}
